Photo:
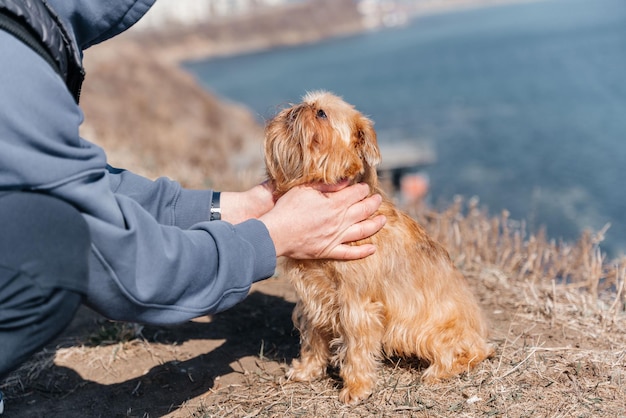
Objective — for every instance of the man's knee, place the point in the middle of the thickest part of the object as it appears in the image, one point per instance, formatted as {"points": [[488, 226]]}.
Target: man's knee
{"points": [[44, 250], [33, 320]]}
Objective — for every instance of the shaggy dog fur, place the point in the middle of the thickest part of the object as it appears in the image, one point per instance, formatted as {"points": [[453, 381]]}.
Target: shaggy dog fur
{"points": [[407, 299]]}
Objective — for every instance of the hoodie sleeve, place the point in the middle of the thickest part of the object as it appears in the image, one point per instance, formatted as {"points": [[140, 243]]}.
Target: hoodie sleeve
{"points": [[166, 200], [154, 259]]}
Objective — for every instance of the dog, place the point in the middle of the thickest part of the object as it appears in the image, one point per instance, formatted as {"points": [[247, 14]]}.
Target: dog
{"points": [[405, 300]]}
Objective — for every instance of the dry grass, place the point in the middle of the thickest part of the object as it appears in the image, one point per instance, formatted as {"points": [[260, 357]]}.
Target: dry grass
{"points": [[553, 272], [558, 320], [558, 312], [529, 381]]}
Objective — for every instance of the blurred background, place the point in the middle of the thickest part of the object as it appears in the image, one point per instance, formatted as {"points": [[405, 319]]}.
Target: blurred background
{"points": [[521, 104]]}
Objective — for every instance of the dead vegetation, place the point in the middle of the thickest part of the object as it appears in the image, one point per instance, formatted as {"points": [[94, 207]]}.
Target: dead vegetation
{"points": [[152, 116], [558, 316], [558, 320]]}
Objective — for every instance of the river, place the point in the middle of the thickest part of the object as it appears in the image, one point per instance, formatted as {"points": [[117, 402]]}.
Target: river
{"points": [[523, 104]]}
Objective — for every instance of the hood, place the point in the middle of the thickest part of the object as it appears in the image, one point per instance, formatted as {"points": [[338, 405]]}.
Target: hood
{"points": [[93, 21]]}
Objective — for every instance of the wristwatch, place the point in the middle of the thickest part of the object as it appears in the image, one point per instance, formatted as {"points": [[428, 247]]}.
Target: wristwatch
{"points": [[216, 210]]}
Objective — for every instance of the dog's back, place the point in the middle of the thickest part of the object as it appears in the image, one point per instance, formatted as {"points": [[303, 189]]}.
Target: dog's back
{"points": [[422, 301]]}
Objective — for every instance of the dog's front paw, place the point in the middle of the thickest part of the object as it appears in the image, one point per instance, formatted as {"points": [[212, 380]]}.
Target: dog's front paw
{"points": [[352, 395], [301, 371]]}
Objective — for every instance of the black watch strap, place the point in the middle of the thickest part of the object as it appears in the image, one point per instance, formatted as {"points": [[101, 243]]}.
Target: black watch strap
{"points": [[216, 210]]}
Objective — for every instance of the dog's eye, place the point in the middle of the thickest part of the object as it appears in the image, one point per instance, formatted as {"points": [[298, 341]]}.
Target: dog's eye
{"points": [[321, 114]]}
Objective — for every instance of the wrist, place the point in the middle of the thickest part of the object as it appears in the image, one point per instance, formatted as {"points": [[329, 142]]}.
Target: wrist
{"points": [[237, 207], [230, 207], [274, 227]]}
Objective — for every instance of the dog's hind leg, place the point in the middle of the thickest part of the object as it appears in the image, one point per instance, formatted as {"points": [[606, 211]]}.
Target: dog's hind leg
{"points": [[456, 354]]}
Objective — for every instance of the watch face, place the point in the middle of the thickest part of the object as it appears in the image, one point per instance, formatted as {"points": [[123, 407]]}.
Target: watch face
{"points": [[216, 215]]}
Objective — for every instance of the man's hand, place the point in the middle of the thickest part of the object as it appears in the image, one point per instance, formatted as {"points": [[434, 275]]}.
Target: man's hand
{"points": [[317, 222]]}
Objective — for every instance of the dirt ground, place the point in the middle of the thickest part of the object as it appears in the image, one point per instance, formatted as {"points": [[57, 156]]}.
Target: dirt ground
{"points": [[91, 371], [552, 360]]}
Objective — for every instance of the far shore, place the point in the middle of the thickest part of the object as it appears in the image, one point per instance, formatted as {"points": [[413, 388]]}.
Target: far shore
{"points": [[187, 43]]}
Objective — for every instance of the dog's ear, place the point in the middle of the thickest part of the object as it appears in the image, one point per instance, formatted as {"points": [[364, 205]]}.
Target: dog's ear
{"points": [[277, 150], [366, 143]]}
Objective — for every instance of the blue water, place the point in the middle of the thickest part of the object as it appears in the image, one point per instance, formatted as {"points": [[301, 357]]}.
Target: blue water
{"points": [[524, 104]]}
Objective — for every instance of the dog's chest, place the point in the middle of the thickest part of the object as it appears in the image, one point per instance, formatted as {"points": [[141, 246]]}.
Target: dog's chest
{"points": [[315, 284], [312, 280]]}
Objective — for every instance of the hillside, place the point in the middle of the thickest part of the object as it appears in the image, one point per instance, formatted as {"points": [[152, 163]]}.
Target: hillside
{"points": [[154, 118]]}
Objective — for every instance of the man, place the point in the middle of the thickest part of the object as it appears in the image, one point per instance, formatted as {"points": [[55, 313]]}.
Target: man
{"points": [[73, 229]]}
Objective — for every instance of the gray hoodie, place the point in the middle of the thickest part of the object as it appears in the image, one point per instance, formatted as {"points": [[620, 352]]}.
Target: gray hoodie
{"points": [[155, 257]]}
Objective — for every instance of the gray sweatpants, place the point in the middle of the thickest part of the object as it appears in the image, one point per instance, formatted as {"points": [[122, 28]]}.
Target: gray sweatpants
{"points": [[44, 247]]}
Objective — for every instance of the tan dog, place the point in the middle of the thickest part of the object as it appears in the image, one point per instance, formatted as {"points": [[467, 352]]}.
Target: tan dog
{"points": [[407, 299]]}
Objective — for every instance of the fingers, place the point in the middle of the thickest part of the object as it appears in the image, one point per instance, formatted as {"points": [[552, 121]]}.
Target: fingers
{"points": [[363, 229], [354, 197], [357, 224], [351, 252], [349, 194], [363, 209], [356, 232], [326, 188]]}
